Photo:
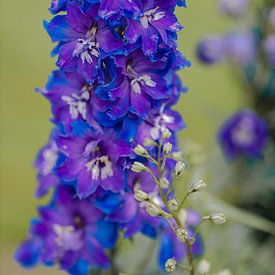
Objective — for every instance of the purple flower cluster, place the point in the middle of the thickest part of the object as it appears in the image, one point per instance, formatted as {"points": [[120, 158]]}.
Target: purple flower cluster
{"points": [[251, 50], [115, 86]]}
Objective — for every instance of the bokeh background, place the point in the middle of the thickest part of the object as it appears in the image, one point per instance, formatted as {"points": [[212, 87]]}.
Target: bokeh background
{"points": [[25, 64]]}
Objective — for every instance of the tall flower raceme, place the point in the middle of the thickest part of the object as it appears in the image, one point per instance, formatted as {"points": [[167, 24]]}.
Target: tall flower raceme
{"points": [[114, 88], [251, 50]]}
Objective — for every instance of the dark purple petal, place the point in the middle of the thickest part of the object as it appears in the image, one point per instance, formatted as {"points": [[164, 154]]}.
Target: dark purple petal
{"points": [[59, 29], [85, 184], [107, 41], [66, 59], [127, 210], [140, 104], [78, 20]]}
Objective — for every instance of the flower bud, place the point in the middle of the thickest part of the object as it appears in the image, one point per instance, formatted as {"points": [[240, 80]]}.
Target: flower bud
{"points": [[141, 151], [173, 204], [179, 168], [170, 265], [177, 156], [204, 267], [138, 167], [164, 183], [149, 142], [181, 233], [167, 148], [198, 186], [154, 133], [141, 195], [217, 218], [166, 134], [153, 210], [224, 272]]}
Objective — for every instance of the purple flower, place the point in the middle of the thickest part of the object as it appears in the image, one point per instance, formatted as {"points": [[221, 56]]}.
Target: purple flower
{"points": [[234, 8], [240, 47], [45, 164], [92, 160], [211, 49], [66, 233], [72, 99], [138, 82], [243, 134], [28, 252], [156, 121], [83, 39], [153, 24]]}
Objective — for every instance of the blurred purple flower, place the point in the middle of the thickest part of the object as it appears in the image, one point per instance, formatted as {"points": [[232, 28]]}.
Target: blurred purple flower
{"points": [[243, 134], [269, 48], [211, 49], [234, 8]]}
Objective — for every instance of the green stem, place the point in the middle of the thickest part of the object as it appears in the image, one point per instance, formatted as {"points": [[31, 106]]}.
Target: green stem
{"points": [[239, 215], [175, 216]]}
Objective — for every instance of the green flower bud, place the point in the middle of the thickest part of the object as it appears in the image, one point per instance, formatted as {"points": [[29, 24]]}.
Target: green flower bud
{"points": [[138, 167], [170, 265]]}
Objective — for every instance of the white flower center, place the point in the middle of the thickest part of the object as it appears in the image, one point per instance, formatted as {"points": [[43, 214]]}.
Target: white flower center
{"points": [[151, 16], [100, 167], [67, 237], [50, 158], [142, 80], [243, 134], [77, 104], [86, 49]]}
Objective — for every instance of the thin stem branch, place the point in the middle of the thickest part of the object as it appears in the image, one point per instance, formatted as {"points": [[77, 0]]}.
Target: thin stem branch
{"points": [[175, 216]]}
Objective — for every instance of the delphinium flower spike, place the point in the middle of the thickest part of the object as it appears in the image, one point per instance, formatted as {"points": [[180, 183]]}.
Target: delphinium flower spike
{"points": [[114, 88]]}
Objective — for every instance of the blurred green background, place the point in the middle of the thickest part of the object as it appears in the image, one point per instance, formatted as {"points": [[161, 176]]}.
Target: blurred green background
{"points": [[25, 126]]}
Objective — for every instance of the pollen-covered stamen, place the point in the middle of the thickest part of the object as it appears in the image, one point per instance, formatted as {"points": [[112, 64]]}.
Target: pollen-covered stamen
{"points": [[67, 238], [144, 80], [50, 158], [86, 49], [151, 16], [77, 104], [243, 134], [100, 167]]}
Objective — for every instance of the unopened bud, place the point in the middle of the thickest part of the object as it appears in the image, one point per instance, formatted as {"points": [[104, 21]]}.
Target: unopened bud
{"points": [[167, 148], [177, 156], [204, 267], [181, 233], [170, 265], [166, 134], [138, 167], [217, 218], [141, 195], [164, 183], [141, 151], [173, 204], [153, 210], [179, 168], [149, 142], [224, 272], [154, 133], [198, 186]]}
